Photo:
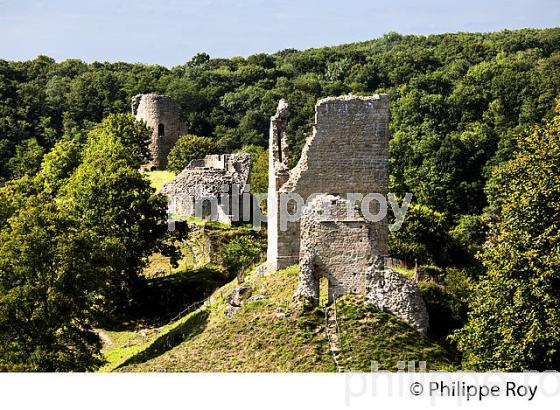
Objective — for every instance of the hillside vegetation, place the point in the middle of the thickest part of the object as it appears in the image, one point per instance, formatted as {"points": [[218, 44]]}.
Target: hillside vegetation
{"points": [[272, 335], [456, 101], [86, 255]]}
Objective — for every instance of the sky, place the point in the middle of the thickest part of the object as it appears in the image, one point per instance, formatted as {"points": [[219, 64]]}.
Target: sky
{"points": [[170, 32]]}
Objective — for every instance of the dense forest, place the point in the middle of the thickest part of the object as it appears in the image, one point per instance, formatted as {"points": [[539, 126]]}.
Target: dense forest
{"points": [[463, 111], [456, 102]]}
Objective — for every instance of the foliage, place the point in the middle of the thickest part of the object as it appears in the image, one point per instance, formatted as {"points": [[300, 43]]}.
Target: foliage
{"points": [[48, 277], [188, 147], [27, 158], [468, 237], [259, 170], [422, 236], [112, 198], [447, 304], [514, 321], [121, 138], [73, 241], [239, 253], [456, 99], [58, 165]]}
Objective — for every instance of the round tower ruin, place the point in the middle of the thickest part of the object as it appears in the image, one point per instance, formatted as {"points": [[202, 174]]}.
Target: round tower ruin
{"points": [[163, 116]]}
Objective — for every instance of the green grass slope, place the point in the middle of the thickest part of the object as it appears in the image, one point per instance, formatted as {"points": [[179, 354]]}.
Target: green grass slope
{"points": [[273, 335], [159, 178]]}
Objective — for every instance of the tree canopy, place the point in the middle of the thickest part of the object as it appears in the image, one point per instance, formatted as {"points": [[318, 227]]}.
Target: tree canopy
{"points": [[187, 148], [73, 239], [456, 100], [514, 319]]}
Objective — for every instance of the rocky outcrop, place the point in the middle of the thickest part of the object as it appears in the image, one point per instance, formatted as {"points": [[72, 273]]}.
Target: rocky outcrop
{"points": [[239, 297]]}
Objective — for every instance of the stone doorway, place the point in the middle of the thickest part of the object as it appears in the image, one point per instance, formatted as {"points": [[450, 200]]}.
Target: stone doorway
{"points": [[324, 298]]}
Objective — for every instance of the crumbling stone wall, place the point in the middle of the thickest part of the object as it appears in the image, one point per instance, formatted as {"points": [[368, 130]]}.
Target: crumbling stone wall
{"points": [[336, 243], [216, 177], [346, 153], [399, 295], [278, 173], [339, 244], [163, 116]]}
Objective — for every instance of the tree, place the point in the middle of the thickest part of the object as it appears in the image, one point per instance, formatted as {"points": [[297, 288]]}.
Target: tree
{"points": [[514, 319], [238, 254], [27, 158], [468, 237], [72, 242], [58, 165], [110, 197], [423, 236], [121, 136], [48, 280], [259, 170], [188, 147]]}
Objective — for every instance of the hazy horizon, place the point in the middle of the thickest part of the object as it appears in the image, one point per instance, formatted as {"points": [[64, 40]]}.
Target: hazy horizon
{"points": [[171, 32]]}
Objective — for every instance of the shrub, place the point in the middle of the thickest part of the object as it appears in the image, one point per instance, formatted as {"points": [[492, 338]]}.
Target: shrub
{"points": [[188, 147], [239, 253]]}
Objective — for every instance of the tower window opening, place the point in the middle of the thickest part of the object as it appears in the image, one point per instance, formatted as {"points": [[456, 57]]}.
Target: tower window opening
{"points": [[161, 131]]}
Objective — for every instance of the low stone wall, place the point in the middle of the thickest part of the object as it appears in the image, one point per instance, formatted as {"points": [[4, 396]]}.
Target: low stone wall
{"points": [[399, 295]]}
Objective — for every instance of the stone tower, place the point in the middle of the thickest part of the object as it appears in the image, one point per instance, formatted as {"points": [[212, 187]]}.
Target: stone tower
{"points": [[163, 116], [347, 152]]}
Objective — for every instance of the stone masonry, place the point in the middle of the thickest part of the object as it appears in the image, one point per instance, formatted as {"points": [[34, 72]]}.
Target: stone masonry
{"points": [[397, 294], [336, 243], [339, 244], [216, 181], [163, 116], [347, 152]]}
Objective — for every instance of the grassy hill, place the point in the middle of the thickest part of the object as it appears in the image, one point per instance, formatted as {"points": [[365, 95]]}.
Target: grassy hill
{"points": [[271, 335]]}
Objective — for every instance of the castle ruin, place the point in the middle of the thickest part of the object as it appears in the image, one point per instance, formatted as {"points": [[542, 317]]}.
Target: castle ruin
{"points": [[344, 160], [347, 152], [336, 243], [163, 116], [215, 186]]}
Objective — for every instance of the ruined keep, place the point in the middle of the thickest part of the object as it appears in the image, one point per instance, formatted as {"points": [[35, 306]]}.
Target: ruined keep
{"points": [[347, 152], [337, 244], [163, 116], [215, 186]]}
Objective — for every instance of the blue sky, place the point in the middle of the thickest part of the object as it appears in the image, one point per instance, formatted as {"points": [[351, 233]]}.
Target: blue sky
{"points": [[170, 32]]}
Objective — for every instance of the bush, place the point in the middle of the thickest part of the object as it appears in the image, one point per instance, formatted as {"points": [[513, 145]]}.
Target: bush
{"points": [[468, 237], [259, 171], [423, 236], [189, 147], [239, 253]]}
